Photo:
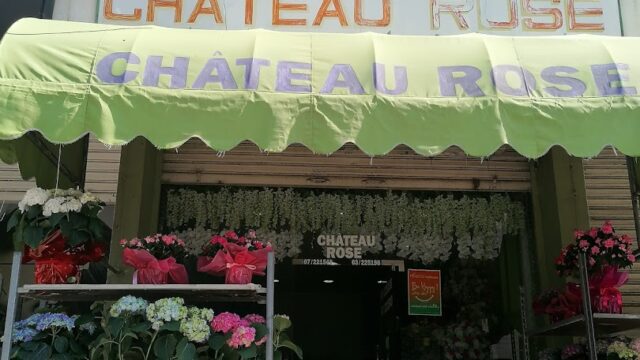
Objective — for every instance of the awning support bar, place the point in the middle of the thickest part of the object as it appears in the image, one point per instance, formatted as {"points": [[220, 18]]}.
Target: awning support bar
{"points": [[633, 185]]}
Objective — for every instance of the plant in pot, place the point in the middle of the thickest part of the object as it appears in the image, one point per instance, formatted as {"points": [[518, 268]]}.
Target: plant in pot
{"points": [[60, 231], [235, 257], [158, 259], [606, 253]]}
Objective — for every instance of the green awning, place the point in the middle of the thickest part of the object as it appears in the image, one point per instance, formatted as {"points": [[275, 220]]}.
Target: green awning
{"points": [[478, 92]]}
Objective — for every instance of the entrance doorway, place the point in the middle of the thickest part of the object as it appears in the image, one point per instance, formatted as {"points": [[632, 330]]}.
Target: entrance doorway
{"points": [[337, 309]]}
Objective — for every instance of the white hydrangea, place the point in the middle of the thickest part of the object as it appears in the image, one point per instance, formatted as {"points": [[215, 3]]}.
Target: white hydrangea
{"points": [[88, 198], [59, 205], [35, 196]]}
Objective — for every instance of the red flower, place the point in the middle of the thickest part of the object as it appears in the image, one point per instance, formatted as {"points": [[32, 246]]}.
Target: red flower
{"points": [[607, 228], [168, 239], [231, 235], [593, 233], [217, 239], [578, 234], [609, 243]]}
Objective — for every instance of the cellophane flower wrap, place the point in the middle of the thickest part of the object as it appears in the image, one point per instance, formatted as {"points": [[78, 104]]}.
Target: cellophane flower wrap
{"points": [[235, 257], [158, 259], [60, 231]]}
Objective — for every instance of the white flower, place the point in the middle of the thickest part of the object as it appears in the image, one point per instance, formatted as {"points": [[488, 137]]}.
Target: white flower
{"points": [[35, 196], [59, 205], [88, 198]]}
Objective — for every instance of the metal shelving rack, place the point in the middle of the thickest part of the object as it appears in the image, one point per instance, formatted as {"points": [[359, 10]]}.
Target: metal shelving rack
{"points": [[196, 292], [589, 324]]}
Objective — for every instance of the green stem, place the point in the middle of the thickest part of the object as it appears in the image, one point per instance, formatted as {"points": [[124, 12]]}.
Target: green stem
{"points": [[53, 340], [153, 338]]}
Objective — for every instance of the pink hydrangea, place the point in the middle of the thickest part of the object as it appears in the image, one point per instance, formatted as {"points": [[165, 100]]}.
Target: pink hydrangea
{"points": [[242, 336], [255, 319], [635, 345], [225, 322], [168, 239]]}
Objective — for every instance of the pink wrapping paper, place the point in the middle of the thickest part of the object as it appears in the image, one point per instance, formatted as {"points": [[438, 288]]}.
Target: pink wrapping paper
{"points": [[605, 296], [236, 263], [150, 270]]}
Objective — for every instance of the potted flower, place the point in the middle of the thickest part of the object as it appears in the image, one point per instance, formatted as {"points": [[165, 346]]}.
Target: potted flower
{"points": [[60, 231], [606, 253], [158, 259], [235, 257]]}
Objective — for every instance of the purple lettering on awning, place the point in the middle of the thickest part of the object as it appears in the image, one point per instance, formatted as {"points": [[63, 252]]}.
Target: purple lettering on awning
{"points": [[252, 71], [551, 74], [525, 78], [468, 81], [222, 75], [178, 72], [610, 83], [104, 69], [285, 76], [379, 79], [342, 76]]}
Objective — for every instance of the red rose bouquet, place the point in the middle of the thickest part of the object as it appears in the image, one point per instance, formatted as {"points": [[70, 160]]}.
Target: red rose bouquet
{"points": [[158, 259], [235, 257]]}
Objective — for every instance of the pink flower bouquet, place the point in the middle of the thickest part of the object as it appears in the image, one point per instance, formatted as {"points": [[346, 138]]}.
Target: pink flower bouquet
{"points": [[157, 259], [237, 258]]}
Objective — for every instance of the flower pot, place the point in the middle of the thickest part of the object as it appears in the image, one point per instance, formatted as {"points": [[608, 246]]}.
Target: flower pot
{"points": [[54, 271], [238, 274]]}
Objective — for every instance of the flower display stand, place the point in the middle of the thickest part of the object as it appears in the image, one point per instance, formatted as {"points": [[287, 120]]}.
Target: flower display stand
{"points": [[589, 324], [89, 293]]}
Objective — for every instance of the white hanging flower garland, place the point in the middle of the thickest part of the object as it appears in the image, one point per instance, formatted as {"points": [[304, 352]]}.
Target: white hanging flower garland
{"points": [[417, 228]]}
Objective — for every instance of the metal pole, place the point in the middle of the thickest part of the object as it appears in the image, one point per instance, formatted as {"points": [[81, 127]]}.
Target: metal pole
{"points": [[270, 299], [635, 192], [12, 302], [586, 307]]}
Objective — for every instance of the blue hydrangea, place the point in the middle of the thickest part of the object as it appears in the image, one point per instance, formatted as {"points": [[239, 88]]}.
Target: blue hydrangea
{"points": [[56, 320], [25, 330], [23, 334], [128, 306], [90, 327]]}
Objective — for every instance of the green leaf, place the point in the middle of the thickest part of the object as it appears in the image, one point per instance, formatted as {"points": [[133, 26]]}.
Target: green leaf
{"points": [[61, 344], [78, 237], [281, 323], [54, 219], [261, 330], [18, 235], [115, 325], [40, 352], [33, 235], [164, 347], [293, 347], [96, 227], [61, 357], [14, 220], [75, 347], [34, 211], [277, 355], [66, 227], [216, 342], [171, 326], [141, 326], [185, 350], [248, 353]]}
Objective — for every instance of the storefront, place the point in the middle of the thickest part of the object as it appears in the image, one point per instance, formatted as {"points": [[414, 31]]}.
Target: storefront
{"points": [[431, 144]]}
